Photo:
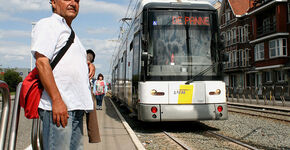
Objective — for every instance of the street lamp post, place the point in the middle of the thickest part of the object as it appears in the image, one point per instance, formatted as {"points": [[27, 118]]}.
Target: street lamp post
{"points": [[31, 57]]}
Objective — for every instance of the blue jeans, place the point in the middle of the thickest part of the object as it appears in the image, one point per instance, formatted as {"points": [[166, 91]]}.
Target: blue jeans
{"points": [[99, 99], [59, 138]]}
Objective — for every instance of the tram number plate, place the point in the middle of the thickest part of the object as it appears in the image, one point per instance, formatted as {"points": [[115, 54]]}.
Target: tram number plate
{"points": [[185, 94]]}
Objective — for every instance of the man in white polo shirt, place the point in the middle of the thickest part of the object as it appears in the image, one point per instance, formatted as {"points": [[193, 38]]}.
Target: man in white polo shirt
{"points": [[67, 91]]}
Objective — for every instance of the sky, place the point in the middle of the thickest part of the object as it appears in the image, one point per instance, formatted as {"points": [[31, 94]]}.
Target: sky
{"points": [[97, 25]]}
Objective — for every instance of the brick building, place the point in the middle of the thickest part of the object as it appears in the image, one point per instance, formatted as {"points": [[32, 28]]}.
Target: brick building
{"points": [[256, 37], [270, 42], [235, 28]]}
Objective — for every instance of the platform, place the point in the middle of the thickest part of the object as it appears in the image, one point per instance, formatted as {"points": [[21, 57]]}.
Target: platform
{"points": [[114, 135]]}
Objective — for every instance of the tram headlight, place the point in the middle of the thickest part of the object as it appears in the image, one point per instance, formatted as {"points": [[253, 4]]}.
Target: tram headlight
{"points": [[216, 92], [155, 93]]}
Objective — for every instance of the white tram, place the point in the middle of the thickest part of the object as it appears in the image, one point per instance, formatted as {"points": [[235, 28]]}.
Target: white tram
{"points": [[168, 66]]}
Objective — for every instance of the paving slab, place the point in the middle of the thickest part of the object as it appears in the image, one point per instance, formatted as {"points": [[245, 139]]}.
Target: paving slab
{"points": [[114, 136]]}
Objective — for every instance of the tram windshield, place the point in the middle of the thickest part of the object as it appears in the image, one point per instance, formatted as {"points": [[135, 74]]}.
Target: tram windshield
{"points": [[181, 43]]}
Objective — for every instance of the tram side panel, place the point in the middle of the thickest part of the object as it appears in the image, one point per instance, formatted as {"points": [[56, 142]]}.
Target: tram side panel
{"points": [[128, 90]]}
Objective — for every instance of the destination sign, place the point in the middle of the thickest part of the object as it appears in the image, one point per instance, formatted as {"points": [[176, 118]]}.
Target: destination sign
{"points": [[179, 20]]}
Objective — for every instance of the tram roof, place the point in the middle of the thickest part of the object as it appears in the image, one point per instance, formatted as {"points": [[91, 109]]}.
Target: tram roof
{"points": [[190, 4]]}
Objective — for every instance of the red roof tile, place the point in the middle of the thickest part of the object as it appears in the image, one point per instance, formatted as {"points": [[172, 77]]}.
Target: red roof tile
{"points": [[239, 7]]}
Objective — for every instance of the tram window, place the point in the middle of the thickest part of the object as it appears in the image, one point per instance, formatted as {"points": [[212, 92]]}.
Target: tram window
{"points": [[182, 45], [136, 54], [131, 45]]}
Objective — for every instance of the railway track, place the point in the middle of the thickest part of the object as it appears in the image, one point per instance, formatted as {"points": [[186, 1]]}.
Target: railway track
{"points": [[260, 112], [199, 135], [242, 144], [177, 141], [216, 135]]}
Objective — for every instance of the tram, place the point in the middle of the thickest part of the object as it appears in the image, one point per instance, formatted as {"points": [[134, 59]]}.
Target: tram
{"points": [[168, 66]]}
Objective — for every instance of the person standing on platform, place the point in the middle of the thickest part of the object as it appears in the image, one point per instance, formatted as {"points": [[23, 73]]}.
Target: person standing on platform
{"points": [[91, 117], [67, 93], [100, 89]]}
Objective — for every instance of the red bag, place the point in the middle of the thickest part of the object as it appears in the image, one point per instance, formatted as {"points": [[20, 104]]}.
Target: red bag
{"points": [[30, 94]]}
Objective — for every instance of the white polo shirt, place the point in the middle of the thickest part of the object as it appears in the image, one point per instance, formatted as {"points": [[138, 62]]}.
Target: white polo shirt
{"points": [[71, 73]]}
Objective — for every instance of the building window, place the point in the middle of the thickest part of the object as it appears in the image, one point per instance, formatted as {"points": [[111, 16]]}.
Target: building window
{"points": [[259, 51], [228, 16], [233, 81], [258, 79], [238, 35], [228, 38], [277, 48], [234, 37], [247, 57], [246, 28], [230, 60], [234, 58], [280, 76], [288, 11], [266, 25], [241, 34], [223, 37], [268, 76], [223, 19]]}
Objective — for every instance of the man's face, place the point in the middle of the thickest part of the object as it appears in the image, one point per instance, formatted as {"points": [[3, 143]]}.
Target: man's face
{"points": [[68, 9], [90, 57]]}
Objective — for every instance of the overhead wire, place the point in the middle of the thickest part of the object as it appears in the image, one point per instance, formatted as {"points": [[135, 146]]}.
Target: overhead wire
{"points": [[119, 36]]}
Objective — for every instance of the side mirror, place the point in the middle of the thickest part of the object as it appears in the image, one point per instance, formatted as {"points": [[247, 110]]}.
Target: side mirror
{"points": [[144, 55]]}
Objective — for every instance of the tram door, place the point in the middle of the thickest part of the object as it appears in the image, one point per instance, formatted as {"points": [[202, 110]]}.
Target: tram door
{"points": [[136, 66], [124, 76]]}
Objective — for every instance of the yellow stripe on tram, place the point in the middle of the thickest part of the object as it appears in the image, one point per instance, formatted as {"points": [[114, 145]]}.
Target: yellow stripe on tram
{"points": [[185, 94]]}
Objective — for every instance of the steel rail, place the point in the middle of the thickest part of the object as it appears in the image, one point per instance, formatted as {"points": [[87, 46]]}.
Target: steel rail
{"points": [[262, 111], [15, 120], [5, 112], [177, 141], [233, 140], [247, 113]]}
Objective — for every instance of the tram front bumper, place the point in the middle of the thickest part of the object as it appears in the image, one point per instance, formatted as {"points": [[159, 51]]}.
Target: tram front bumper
{"points": [[181, 112]]}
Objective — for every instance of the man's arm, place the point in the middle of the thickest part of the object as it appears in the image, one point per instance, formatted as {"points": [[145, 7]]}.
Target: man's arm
{"points": [[59, 108], [92, 69]]}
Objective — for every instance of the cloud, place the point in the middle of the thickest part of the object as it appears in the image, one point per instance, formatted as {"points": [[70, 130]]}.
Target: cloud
{"points": [[102, 48], [86, 6], [93, 6], [98, 66], [10, 49], [14, 34], [13, 57], [7, 17], [100, 31], [24, 5]]}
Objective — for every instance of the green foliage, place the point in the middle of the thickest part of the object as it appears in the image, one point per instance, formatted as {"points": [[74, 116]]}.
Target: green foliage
{"points": [[1, 75], [12, 78]]}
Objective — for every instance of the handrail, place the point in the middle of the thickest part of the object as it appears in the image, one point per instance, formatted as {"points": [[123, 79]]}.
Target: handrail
{"points": [[34, 134], [5, 112], [15, 120]]}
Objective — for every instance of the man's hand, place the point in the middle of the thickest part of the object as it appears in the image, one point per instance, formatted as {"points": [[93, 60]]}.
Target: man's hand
{"points": [[59, 109], [59, 112], [92, 69]]}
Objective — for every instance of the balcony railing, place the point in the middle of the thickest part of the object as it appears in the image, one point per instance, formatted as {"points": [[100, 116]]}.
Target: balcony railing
{"points": [[266, 29], [258, 3], [267, 95]]}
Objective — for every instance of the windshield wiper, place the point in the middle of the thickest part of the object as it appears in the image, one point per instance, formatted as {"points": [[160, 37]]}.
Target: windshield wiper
{"points": [[201, 73]]}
